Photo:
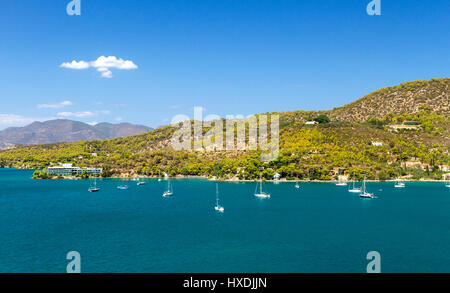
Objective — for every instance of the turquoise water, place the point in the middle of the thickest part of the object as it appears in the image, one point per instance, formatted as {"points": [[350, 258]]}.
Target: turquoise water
{"points": [[319, 228]]}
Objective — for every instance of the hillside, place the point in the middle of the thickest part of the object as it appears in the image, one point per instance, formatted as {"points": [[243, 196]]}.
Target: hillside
{"points": [[60, 130], [409, 97], [318, 152]]}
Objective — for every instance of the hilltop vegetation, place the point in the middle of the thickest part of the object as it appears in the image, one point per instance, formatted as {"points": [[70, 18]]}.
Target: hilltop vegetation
{"points": [[318, 152]]}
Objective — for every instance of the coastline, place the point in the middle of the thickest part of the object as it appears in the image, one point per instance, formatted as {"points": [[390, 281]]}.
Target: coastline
{"points": [[283, 180]]}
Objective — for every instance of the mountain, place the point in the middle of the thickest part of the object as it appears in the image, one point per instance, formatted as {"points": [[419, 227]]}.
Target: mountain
{"points": [[54, 131], [410, 97], [362, 138]]}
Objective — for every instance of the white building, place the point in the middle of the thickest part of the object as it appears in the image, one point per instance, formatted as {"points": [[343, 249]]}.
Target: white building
{"points": [[68, 170], [311, 123], [377, 143]]}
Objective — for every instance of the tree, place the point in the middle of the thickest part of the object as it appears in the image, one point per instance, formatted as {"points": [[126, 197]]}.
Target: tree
{"points": [[322, 119]]}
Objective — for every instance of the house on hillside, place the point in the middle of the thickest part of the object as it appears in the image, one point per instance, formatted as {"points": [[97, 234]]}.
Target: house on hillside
{"points": [[311, 122], [444, 168], [377, 143]]}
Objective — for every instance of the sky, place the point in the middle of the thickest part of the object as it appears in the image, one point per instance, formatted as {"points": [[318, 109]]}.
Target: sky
{"points": [[145, 62]]}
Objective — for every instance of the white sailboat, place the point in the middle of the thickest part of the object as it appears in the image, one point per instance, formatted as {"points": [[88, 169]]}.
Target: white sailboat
{"points": [[169, 191], [218, 207], [364, 193], [448, 183], [140, 182], [297, 185], [341, 183], [399, 184], [354, 189], [94, 188], [159, 176], [261, 193]]}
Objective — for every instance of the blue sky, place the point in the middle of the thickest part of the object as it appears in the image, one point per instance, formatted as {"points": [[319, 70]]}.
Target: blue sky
{"points": [[229, 56]]}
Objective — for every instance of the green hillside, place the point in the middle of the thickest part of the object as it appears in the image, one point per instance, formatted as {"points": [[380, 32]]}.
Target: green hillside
{"points": [[317, 152]]}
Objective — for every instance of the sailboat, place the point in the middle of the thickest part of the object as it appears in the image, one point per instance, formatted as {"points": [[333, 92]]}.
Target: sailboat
{"points": [[364, 193], [94, 188], [169, 191], [399, 184], [140, 182], [261, 193], [123, 186], [297, 185], [218, 207], [448, 183], [354, 189], [159, 176], [341, 183]]}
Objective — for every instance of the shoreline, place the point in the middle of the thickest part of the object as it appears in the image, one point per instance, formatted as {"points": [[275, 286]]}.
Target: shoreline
{"points": [[238, 180], [224, 180]]}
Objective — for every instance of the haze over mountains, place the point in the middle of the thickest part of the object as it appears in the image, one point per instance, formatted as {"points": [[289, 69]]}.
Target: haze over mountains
{"points": [[62, 130]]}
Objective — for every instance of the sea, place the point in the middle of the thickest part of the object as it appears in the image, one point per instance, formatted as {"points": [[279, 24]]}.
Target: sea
{"points": [[318, 228]]}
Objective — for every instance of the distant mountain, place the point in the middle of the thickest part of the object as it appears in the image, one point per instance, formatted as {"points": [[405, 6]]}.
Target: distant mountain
{"points": [[60, 130], [406, 98]]}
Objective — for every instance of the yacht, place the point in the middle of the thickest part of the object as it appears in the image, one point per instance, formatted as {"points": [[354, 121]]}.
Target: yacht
{"points": [[400, 184], [261, 193], [169, 191], [354, 189], [140, 183], [123, 186], [364, 193], [218, 207], [94, 188], [297, 185]]}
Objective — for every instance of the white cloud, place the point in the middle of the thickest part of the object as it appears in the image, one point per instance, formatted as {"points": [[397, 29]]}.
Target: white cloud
{"points": [[113, 62], [82, 114], [103, 65], [8, 120], [55, 106], [76, 65], [76, 114], [118, 119], [93, 123]]}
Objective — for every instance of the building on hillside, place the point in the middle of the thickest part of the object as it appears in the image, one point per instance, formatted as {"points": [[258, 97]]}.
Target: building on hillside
{"points": [[445, 168], [311, 122], [276, 176], [69, 169], [377, 143]]}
